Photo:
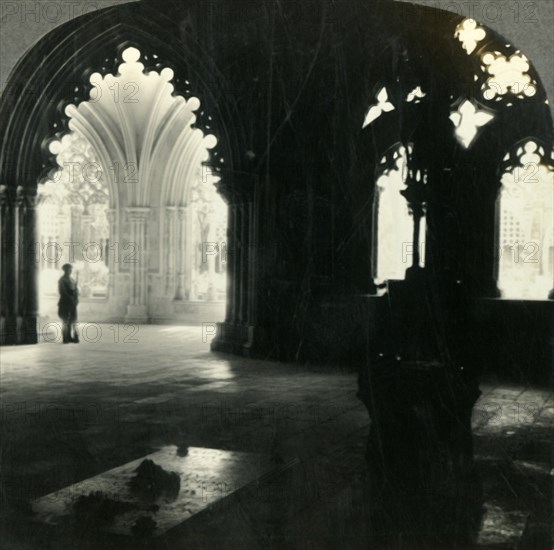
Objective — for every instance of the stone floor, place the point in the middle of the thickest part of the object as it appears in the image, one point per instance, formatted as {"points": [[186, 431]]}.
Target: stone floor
{"points": [[70, 412]]}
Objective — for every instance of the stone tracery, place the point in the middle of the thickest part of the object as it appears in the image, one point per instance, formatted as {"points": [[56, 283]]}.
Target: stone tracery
{"points": [[257, 316], [526, 214], [469, 33], [394, 247], [72, 207], [507, 75], [383, 105], [467, 119], [147, 156]]}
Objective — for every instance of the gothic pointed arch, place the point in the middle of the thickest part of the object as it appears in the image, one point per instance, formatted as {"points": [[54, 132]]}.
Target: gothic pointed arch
{"points": [[43, 106], [463, 96], [525, 214], [64, 79]]}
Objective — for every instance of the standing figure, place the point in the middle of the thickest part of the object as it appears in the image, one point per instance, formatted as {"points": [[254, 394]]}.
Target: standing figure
{"points": [[67, 306]]}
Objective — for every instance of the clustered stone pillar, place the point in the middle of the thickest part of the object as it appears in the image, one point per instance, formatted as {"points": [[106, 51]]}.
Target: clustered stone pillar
{"points": [[18, 265], [86, 225], [251, 280], [28, 296], [234, 334], [169, 242], [182, 252], [138, 264], [7, 274], [230, 269], [209, 259], [234, 260], [244, 209], [112, 251]]}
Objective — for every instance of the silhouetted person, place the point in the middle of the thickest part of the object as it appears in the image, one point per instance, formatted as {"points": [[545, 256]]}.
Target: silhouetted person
{"points": [[67, 306]]}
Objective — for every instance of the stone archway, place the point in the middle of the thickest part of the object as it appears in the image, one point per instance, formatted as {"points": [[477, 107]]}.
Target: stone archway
{"points": [[152, 160], [461, 117], [37, 109], [525, 210]]}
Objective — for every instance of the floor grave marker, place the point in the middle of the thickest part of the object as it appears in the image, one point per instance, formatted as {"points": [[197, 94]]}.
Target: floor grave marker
{"points": [[206, 477]]}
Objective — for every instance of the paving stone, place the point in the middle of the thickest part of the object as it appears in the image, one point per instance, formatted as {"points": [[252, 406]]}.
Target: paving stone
{"points": [[69, 412]]}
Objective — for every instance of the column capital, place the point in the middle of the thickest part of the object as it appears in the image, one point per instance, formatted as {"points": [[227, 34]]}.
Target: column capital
{"points": [[237, 187], [25, 196], [77, 209], [182, 212], [111, 215], [170, 211], [4, 195], [137, 213]]}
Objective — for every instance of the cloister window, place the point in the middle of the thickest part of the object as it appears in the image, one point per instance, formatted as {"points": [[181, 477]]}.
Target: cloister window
{"points": [[394, 248], [525, 224]]}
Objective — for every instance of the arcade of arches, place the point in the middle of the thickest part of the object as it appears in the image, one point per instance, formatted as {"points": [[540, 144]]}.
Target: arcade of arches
{"points": [[141, 148], [381, 198]]}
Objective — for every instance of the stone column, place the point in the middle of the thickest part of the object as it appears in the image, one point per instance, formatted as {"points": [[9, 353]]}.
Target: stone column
{"points": [[251, 262], [170, 249], [85, 240], [256, 341], [236, 256], [208, 248], [189, 252], [27, 265], [8, 272], [64, 237], [182, 252], [137, 310], [76, 229], [230, 269], [86, 223], [245, 249], [112, 251], [481, 245], [233, 333]]}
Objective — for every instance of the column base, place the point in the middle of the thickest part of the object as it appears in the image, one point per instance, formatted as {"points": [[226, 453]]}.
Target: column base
{"points": [[489, 290], [8, 333], [28, 330], [420, 454], [232, 338], [404, 517], [136, 314], [245, 340], [257, 343]]}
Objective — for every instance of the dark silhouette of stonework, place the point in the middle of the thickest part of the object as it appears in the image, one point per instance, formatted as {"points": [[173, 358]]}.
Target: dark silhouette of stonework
{"points": [[288, 85]]}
